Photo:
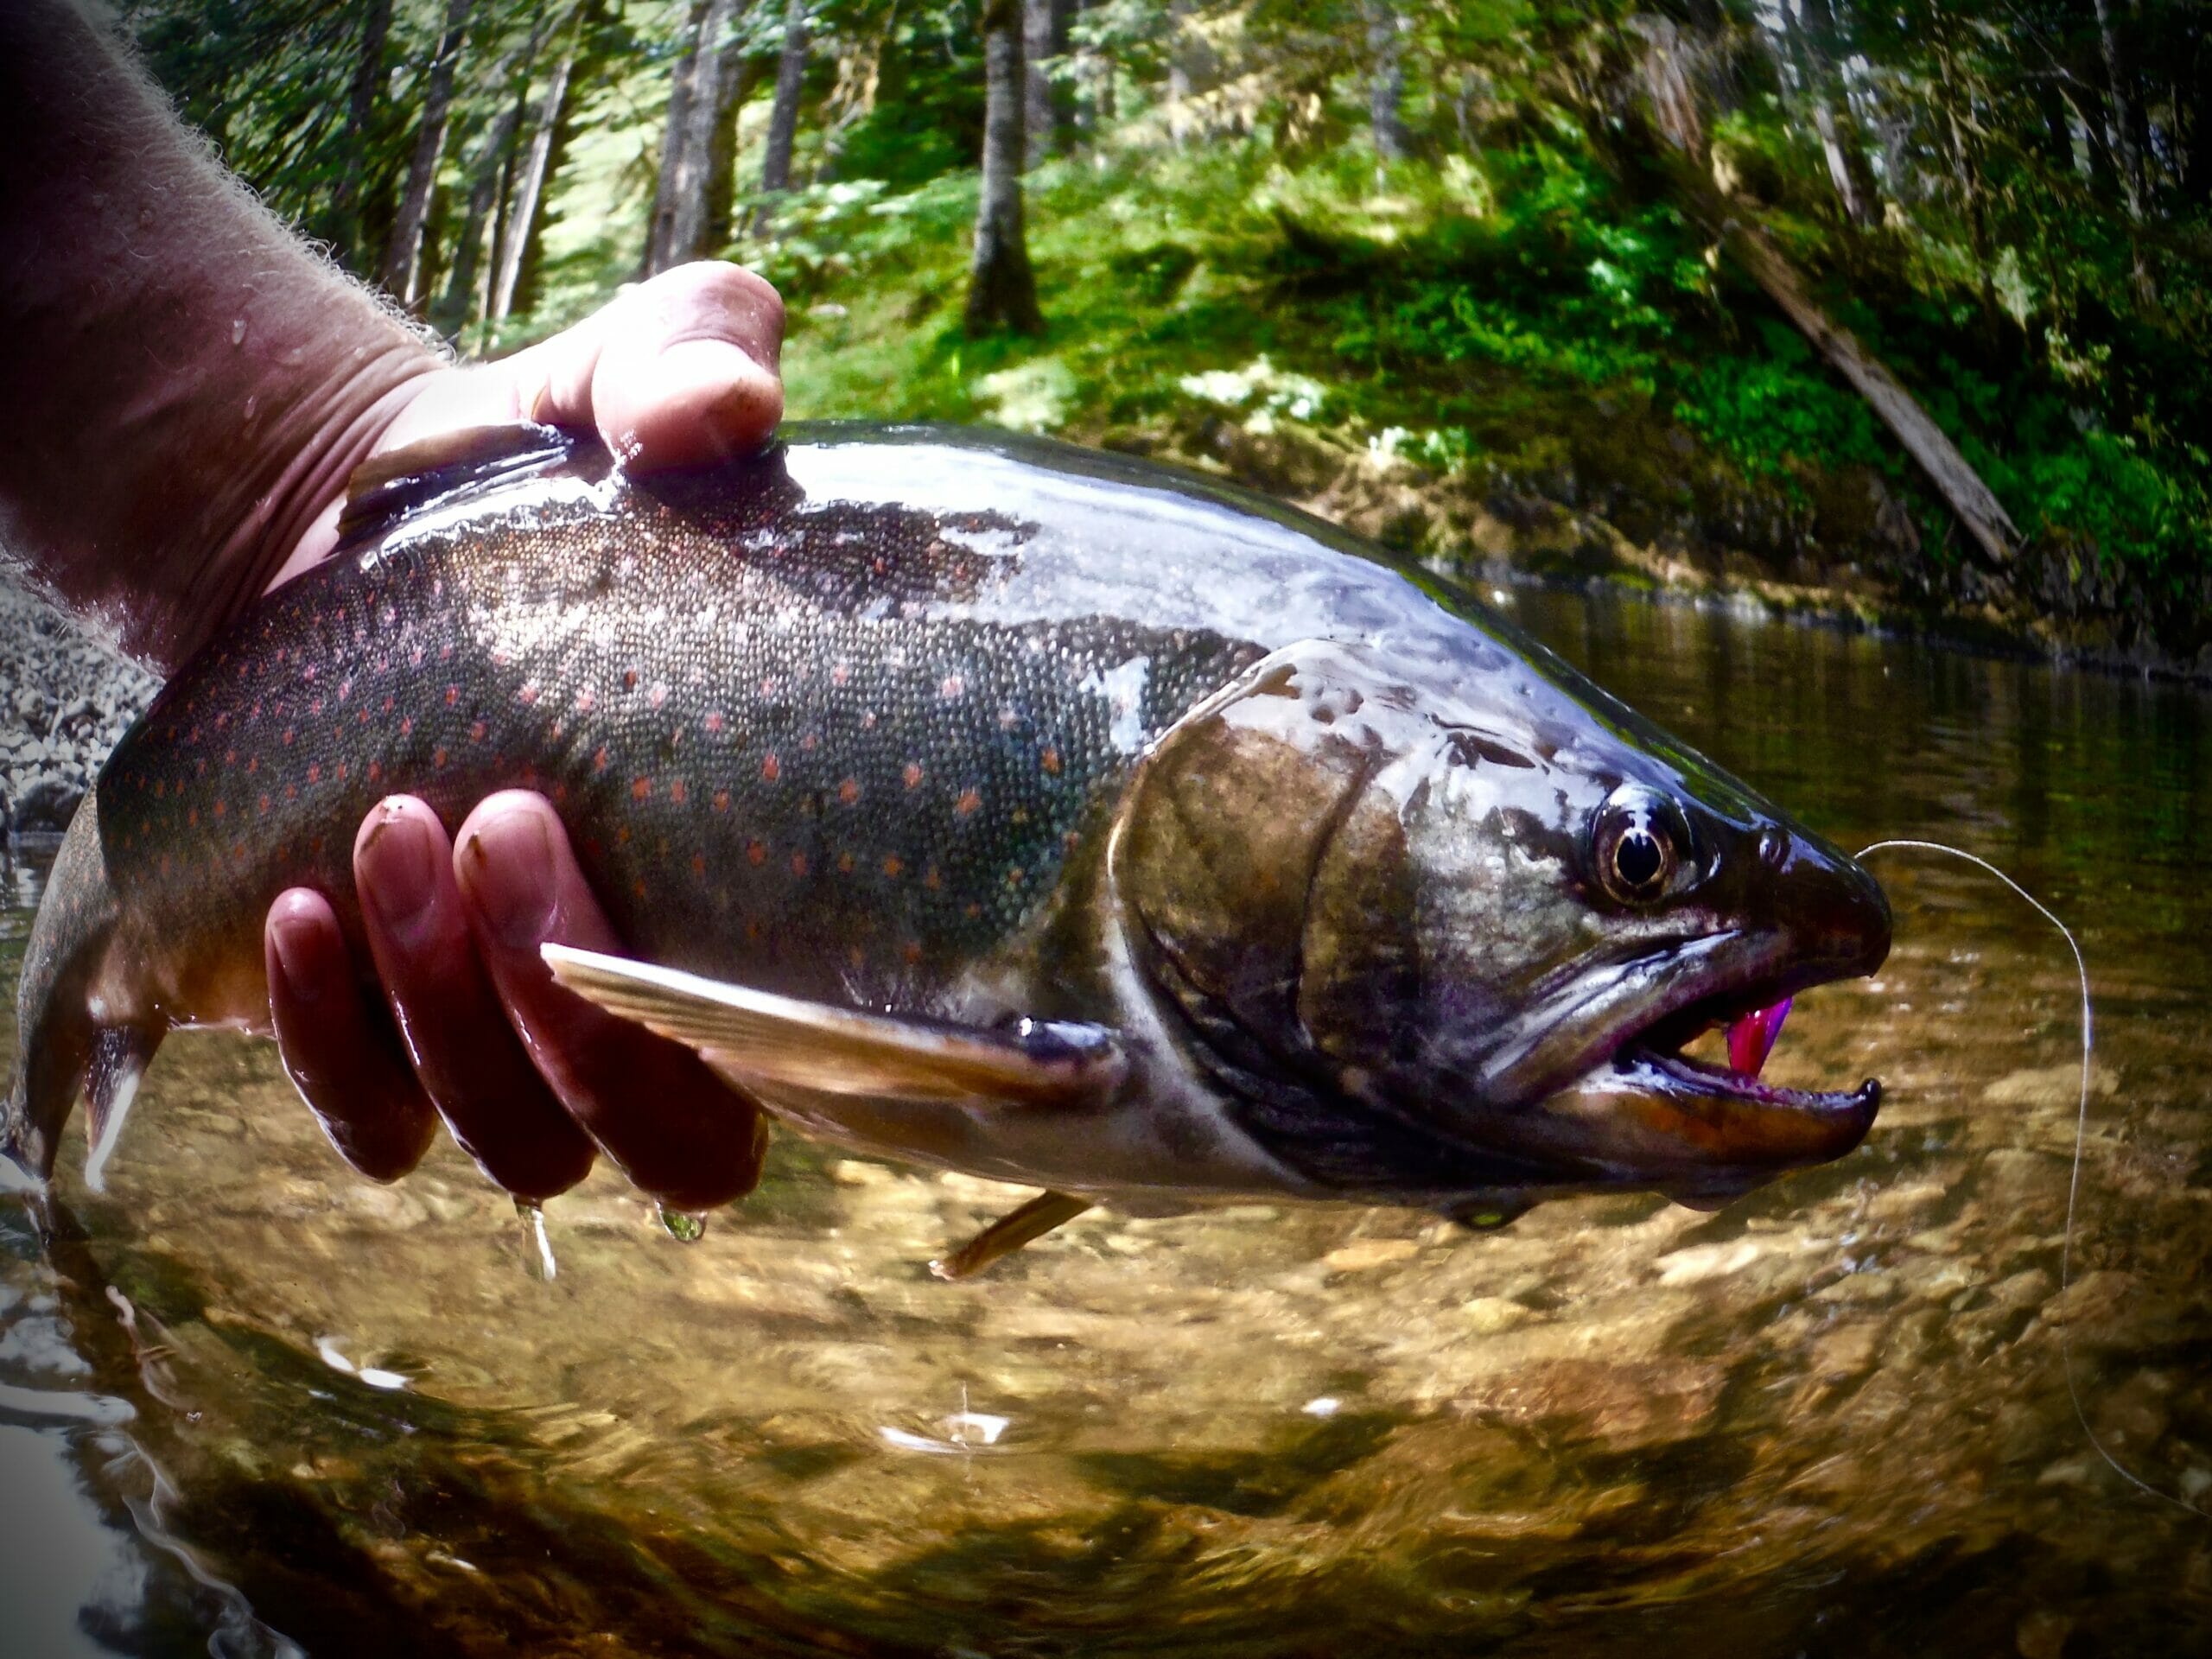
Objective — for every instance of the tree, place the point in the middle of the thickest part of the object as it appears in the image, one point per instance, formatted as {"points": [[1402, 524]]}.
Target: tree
{"points": [[783, 115], [700, 95], [1001, 288], [526, 199], [401, 261], [1386, 81], [1047, 112]]}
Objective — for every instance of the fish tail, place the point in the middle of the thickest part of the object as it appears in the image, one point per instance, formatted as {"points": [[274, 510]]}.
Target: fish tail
{"points": [[62, 1042]]}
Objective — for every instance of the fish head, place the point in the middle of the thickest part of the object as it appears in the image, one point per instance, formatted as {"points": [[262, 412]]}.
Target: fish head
{"points": [[1446, 932]]}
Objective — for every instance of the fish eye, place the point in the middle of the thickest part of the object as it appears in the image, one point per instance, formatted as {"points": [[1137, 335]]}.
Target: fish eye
{"points": [[1639, 841]]}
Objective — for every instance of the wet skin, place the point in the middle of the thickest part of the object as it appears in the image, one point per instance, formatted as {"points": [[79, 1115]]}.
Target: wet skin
{"points": [[1381, 900]]}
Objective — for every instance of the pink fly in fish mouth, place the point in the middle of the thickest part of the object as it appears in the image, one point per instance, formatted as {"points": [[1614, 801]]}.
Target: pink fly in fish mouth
{"points": [[1751, 1037]]}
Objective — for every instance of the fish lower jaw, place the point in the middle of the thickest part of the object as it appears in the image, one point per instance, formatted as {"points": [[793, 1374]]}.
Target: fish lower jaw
{"points": [[1697, 1077]]}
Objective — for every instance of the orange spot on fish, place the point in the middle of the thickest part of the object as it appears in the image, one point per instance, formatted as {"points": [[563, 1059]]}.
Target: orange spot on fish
{"points": [[844, 863], [912, 951], [698, 864], [406, 724], [584, 701], [1015, 876], [638, 887], [932, 879], [841, 674], [192, 818], [599, 759], [756, 852], [912, 776], [1051, 761], [288, 737], [438, 756], [452, 696], [721, 800], [526, 696], [850, 791], [230, 757], [894, 866], [798, 863], [264, 803], [713, 723], [641, 789], [657, 696], [807, 742], [973, 911], [952, 686], [772, 768], [315, 770], [476, 732], [629, 679], [219, 808], [678, 791], [968, 801]]}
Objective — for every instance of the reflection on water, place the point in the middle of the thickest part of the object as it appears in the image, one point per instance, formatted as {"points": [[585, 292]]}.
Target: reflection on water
{"points": [[1832, 1417]]}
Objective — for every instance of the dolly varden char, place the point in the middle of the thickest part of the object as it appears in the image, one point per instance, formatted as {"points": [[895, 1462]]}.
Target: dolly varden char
{"points": [[1346, 888]]}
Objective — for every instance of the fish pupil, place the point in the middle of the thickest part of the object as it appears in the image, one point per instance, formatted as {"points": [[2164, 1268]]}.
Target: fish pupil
{"points": [[1638, 859]]}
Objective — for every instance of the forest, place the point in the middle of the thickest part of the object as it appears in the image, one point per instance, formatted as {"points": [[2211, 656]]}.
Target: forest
{"points": [[1896, 311]]}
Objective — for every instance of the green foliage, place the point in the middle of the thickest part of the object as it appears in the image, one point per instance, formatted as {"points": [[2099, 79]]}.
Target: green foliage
{"points": [[1524, 297]]}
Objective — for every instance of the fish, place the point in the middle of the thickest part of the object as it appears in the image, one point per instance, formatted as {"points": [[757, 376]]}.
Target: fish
{"points": [[1000, 806]]}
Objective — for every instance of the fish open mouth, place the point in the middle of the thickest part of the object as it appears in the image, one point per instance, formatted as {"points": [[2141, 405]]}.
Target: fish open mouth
{"points": [[1727, 1116]]}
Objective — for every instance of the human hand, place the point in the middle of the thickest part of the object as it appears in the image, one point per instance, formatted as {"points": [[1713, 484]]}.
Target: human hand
{"points": [[531, 1079]]}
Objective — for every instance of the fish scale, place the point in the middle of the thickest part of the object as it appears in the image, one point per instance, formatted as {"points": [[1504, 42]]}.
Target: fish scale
{"points": [[774, 728]]}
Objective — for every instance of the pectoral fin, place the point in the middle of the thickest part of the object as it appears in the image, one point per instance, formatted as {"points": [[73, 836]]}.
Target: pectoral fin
{"points": [[1009, 1233], [754, 1036]]}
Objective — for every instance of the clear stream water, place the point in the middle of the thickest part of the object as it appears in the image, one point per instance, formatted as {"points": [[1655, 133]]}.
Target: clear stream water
{"points": [[247, 1401]]}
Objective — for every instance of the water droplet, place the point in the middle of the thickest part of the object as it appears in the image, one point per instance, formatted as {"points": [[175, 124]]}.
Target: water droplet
{"points": [[237, 331], [537, 1250], [682, 1226]]}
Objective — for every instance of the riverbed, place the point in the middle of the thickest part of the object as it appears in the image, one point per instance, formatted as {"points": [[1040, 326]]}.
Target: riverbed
{"points": [[264, 1402]]}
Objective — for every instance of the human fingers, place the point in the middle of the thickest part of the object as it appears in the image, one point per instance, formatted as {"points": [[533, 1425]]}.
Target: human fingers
{"points": [[680, 371], [337, 1046], [466, 1056], [675, 1128]]}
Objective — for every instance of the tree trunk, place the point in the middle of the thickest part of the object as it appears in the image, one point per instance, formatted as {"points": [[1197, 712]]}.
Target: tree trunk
{"points": [[1386, 81], [2127, 139], [1961, 487], [698, 99], [1001, 288], [2127, 142], [1047, 113], [782, 116], [1938, 458], [360, 122], [403, 248], [1812, 35], [487, 170], [529, 193]]}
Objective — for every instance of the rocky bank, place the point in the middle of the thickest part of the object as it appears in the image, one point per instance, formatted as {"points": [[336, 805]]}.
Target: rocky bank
{"points": [[65, 699]]}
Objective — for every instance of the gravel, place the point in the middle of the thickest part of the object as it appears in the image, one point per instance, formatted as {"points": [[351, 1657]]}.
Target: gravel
{"points": [[65, 698]]}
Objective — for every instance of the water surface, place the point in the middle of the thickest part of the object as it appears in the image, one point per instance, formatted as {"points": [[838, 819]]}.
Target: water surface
{"points": [[1832, 1418]]}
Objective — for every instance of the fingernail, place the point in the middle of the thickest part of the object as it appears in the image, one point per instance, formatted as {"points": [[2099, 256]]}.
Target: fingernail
{"points": [[509, 873], [711, 366], [397, 870], [295, 938]]}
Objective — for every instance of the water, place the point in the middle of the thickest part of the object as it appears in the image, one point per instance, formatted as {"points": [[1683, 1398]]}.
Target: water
{"points": [[1832, 1418]]}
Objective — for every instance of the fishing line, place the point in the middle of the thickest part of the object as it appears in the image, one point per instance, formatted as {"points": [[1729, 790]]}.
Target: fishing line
{"points": [[2080, 1140]]}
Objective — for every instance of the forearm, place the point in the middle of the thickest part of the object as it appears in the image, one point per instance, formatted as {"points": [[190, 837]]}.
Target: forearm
{"points": [[183, 387]]}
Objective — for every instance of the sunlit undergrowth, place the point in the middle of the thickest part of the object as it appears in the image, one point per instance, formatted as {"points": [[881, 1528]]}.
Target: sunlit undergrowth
{"points": [[1500, 318]]}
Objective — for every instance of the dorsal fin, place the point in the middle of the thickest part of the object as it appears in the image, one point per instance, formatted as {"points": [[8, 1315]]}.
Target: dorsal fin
{"points": [[752, 1037], [386, 487]]}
